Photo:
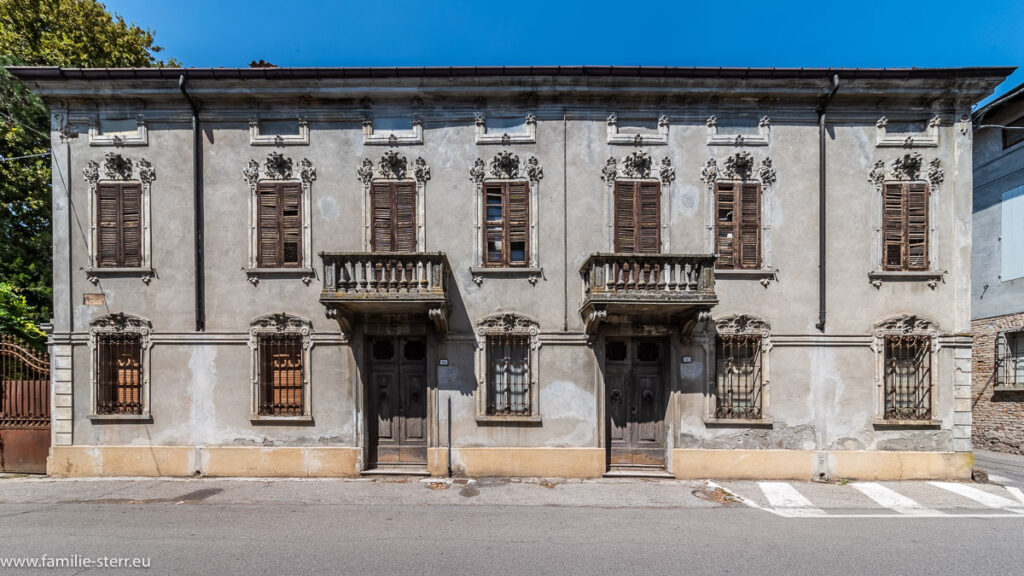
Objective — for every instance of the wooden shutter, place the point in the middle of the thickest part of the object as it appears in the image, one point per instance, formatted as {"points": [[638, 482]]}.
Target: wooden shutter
{"points": [[917, 226], [518, 223], [495, 213], [380, 213], [131, 226], [108, 225], [750, 227], [291, 224], [393, 211], [648, 208], [405, 217], [725, 225], [625, 220], [268, 226], [892, 227]]}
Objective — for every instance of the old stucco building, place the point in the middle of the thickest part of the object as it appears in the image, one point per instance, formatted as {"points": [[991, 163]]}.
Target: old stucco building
{"points": [[997, 307], [660, 271]]}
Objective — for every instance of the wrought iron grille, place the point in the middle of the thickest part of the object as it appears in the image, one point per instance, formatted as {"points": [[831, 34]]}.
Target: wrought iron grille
{"points": [[1011, 359], [908, 377], [508, 374], [24, 385], [739, 386], [281, 375], [119, 373]]}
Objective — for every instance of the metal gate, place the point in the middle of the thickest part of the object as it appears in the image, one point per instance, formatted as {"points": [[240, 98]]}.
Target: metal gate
{"points": [[24, 406]]}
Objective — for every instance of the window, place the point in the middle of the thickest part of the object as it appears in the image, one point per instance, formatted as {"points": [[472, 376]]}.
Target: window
{"points": [[508, 375], [394, 217], [637, 217], [280, 225], [908, 379], [281, 374], [738, 225], [506, 224], [119, 373], [1010, 359], [905, 226], [1014, 136], [118, 225], [738, 381]]}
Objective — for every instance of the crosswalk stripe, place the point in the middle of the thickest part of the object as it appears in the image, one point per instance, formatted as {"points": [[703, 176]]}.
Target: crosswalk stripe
{"points": [[980, 496], [1016, 493], [891, 499], [784, 497]]}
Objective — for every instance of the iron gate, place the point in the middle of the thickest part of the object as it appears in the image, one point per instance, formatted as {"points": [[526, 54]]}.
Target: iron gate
{"points": [[24, 406]]}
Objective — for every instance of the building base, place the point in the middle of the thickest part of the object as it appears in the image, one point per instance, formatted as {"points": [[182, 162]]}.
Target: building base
{"points": [[821, 465]]}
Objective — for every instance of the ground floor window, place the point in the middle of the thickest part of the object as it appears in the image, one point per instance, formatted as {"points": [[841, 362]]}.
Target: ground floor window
{"points": [[738, 381], [1011, 358], [508, 374], [908, 378], [281, 374], [119, 373]]}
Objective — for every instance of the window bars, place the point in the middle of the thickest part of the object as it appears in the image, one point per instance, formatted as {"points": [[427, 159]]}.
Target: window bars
{"points": [[508, 375], [739, 386], [281, 375], [908, 381], [1010, 360], [119, 373]]}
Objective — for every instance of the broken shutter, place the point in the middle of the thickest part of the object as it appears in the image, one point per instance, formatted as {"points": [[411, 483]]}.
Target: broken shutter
{"points": [[291, 225], [494, 232], [405, 217], [394, 217], [625, 222], [518, 223], [725, 225], [892, 227], [917, 226], [268, 231], [380, 210], [750, 227], [905, 226], [507, 224], [637, 217]]}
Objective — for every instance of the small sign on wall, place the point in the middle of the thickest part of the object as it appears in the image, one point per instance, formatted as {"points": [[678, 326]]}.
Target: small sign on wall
{"points": [[94, 299]]}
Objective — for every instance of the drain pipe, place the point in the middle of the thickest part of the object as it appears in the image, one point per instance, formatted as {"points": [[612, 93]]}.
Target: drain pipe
{"points": [[197, 200], [821, 201], [449, 436]]}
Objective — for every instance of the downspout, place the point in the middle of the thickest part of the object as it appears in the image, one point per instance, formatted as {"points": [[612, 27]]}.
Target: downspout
{"points": [[197, 201], [565, 223], [821, 201]]}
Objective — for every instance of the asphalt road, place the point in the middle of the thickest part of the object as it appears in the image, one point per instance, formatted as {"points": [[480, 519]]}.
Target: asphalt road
{"points": [[233, 527], [1005, 469]]}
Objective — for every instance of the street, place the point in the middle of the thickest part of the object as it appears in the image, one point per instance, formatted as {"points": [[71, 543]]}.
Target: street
{"points": [[508, 526]]}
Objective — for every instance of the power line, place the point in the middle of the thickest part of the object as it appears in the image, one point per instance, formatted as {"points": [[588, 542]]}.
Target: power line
{"points": [[5, 159]]}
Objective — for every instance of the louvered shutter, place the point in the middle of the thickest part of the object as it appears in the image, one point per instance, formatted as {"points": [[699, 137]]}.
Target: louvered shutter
{"points": [[494, 231], [268, 226], [108, 225], [917, 226], [405, 217], [750, 227], [725, 225], [518, 223], [381, 213], [625, 221], [649, 209], [291, 225], [131, 226], [892, 227]]}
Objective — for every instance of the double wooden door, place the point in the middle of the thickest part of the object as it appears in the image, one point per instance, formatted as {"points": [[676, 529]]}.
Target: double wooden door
{"points": [[636, 402], [397, 401]]}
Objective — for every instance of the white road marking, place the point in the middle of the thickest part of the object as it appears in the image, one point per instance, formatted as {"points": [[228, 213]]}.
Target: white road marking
{"points": [[980, 496], [787, 501], [1017, 493], [997, 479], [891, 499]]}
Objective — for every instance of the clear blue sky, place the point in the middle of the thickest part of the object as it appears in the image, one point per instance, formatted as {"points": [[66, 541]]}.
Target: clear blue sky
{"points": [[822, 33]]}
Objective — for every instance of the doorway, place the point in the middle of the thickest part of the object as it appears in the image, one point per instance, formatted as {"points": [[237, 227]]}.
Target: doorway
{"points": [[636, 402], [397, 401]]}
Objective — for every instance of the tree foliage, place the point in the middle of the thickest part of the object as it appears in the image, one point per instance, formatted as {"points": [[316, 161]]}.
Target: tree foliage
{"points": [[68, 33]]}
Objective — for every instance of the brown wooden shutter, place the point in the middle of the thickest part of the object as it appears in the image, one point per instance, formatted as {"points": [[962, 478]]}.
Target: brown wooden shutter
{"points": [[648, 204], [381, 214], [725, 225], [750, 227], [495, 213], [625, 219], [917, 226], [518, 224], [268, 229], [131, 226], [892, 227], [108, 225], [405, 217], [291, 224]]}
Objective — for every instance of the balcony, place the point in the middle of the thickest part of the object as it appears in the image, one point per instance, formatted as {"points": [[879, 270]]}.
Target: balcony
{"points": [[361, 284], [646, 287]]}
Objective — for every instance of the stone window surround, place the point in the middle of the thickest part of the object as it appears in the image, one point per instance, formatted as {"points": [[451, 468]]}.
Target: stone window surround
{"points": [[616, 138], [505, 167], [633, 167], [394, 167], [1002, 342], [98, 138], [733, 325], [278, 168], [905, 325], [529, 137], [740, 168], [258, 139], [909, 167], [505, 323], [118, 169], [764, 128], [395, 138], [276, 324], [120, 323], [929, 138]]}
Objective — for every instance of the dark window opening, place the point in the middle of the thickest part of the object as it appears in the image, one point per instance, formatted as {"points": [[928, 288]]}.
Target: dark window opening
{"points": [[738, 226], [281, 375], [738, 380], [119, 373], [908, 377], [506, 224], [508, 375]]}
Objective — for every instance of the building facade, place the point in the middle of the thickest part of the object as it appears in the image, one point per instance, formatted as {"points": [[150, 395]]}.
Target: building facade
{"points": [[997, 305], [538, 272]]}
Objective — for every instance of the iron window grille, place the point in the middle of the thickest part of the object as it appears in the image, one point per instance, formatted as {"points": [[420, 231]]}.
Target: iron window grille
{"points": [[739, 382], [508, 375], [119, 373], [908, 377], [281, 372], [1010, 359]]}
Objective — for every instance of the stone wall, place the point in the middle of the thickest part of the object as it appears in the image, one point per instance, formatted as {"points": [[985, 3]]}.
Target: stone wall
{"points": [[998, 416]]}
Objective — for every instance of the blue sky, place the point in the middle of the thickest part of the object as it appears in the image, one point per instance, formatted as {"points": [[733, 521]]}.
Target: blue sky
{"points": [[794, 33]]}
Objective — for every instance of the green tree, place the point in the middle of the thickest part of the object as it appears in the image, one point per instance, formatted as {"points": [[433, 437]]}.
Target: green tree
{"points": [[68, 33]]}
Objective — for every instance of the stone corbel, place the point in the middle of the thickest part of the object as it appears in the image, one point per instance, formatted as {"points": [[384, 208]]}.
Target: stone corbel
{"points": [[343, 317], [764, 126], [439, 316], [593, 319]]}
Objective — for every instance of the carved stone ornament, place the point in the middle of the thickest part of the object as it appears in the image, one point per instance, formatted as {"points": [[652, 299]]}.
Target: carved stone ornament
{"points": [[739, 166], [637, 165], [877, 175], [741, 324], [534, 172], [709, 174], [117, 167], [935, 173], [277, 167], [365, 171], [666, 173], [279, 322], [392, 165], [907, 167], [505, 165], [121, 322], [905, 325], [767, 172], [420, 171], [712, 121], [307, 173], [610, 170], [509, 323], [146, 171], [477, 173], [91, 172], [965, 124]]}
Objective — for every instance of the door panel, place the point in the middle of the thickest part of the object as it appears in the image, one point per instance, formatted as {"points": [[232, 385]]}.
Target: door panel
{"points": [[399, 390], [636, 402]]}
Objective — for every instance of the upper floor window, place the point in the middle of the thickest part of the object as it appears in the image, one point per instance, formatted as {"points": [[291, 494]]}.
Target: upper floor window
{"points": [[118, 225], [1015, 135], [738, 225], [280, 241], [905, 226], [1010, 359], [279, 225], [507, 224], [637, 206], [393, 206]]}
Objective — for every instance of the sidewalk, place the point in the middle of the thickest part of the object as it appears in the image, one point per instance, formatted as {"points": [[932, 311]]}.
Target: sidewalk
{"points": [[1005, 469]]}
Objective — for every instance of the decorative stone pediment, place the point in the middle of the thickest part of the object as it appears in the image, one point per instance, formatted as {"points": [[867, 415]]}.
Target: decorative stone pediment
{"points": [[907, 168], [508, 323], [739, 166], [906, 324], [715, 138], [505, 165], [278, 167], [928, 138], [637, 165], [638, 139], [741, 324], [117, 167], [279, 322], [392, 166], [120, 322]]}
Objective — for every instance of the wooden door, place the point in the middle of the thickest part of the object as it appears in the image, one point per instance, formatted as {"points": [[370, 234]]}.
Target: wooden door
{"points": [[636, 401], [397, 401]]}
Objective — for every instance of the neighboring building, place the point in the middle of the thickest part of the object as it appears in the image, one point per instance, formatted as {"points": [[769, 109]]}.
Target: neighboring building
{"points": [[359, 249], [997, 306]]}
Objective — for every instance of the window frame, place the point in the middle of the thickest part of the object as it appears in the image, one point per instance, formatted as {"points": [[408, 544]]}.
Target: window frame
{"points": [[119, 170], [507, 325], [279, 324], [738, 326], [1006, 360], [278, 169], [905, 240], [394, 168], [506, 224], [638, 225], [119, 324], [279, 189], [737, 224], [906, 326]]}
